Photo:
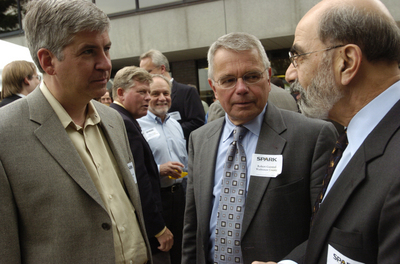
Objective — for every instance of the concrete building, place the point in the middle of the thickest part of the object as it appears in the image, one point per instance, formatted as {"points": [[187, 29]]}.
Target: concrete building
{"points": [[184, 29]]}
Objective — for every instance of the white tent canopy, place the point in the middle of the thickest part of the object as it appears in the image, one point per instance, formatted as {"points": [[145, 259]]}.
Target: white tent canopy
{"points": [[10, 52]]}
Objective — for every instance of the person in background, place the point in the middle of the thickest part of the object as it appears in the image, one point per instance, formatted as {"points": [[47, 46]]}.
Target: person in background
{"points": [[67, 180], [345, 63], [186, 106], [131, 90], [106, 99], [257, 205], [167, 142], [19, 78]]}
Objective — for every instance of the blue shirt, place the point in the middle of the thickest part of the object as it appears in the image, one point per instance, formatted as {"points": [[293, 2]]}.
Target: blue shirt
{"points": [[363, 123], [166, 141], [249, 143]]}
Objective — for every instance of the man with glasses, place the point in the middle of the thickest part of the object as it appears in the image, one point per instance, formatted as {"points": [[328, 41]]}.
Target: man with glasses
{"points": [[345, 62], [260, 207]]}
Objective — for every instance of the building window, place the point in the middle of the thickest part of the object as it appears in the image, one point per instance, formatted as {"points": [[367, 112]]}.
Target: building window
{"points": [[11, 14]]}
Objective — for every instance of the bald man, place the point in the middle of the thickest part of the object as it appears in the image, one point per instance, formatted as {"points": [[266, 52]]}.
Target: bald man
{"points": [[345, 63]]}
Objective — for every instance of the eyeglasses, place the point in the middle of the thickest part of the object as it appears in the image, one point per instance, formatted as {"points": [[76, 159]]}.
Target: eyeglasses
{"points": [[38, 77], [249, 78], [149, 71], [293, 57]]}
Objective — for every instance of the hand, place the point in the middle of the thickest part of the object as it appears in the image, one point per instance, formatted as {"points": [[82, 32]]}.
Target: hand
{"points": [[166, 240], [171, 168]]}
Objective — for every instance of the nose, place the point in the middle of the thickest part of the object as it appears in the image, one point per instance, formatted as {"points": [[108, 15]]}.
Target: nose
{"points": [[291, 74], [104, 62], [147, 97], [161, 97], [241, 86]]}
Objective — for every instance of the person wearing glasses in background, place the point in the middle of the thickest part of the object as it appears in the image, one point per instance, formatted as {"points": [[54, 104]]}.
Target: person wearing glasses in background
{"points": [[284, 155], [19, 78]]}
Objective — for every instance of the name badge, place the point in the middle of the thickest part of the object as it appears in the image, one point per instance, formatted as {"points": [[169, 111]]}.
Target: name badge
{"points": [[335, 257], [132, 170], [151, 133], [266, 165], [175, 115]]}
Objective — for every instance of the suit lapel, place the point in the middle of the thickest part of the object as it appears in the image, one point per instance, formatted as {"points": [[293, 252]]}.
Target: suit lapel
{"points": [[206, 185], [269, 142], [54, 138], [352, 176]]}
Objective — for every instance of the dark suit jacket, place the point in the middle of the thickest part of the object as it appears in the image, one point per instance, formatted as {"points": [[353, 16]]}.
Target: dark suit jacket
{"points": [[360, 216], [51, 211], [186, 100], [9, 99], [147, 175], [278, 210]]}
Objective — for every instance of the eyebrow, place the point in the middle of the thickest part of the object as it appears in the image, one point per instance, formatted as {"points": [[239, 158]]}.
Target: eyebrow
{"points": [[296, 49]]}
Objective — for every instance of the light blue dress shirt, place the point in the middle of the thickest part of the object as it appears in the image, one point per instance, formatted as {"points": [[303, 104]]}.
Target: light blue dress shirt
{"points": [[166, 141], [249, 143], [360, 126]]}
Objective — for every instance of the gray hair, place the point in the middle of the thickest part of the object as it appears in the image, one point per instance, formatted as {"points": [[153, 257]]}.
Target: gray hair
{"points": [[162, 77], [237, 41], [52, 24], [375, 33], [126, 77], [157, 58]]}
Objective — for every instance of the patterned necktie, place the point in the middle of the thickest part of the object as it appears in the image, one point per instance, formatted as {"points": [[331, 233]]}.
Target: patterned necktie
{"points": [[231, 202], [337, 153]]}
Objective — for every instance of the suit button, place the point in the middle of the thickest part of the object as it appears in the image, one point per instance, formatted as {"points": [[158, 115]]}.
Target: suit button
{"points": [[106, 226]]}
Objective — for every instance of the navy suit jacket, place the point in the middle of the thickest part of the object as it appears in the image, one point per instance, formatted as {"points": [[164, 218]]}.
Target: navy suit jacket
{"points": [[186, 100], [9, 99], [147, 176]]}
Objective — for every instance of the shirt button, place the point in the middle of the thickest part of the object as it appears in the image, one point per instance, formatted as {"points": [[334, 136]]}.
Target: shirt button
{"points": [[110, 196], [130, 261]]}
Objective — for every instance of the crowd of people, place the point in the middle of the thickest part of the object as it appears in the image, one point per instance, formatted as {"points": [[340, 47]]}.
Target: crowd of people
{"points": [[140, 174]]}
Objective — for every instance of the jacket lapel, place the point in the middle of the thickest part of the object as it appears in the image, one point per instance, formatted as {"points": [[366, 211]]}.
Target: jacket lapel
{"points": [[54, 138], [269, 142], [352, 176], [206, 185]]}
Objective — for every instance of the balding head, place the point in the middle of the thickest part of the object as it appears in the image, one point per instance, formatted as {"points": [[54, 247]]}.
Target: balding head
{"points": [[365, 23]]}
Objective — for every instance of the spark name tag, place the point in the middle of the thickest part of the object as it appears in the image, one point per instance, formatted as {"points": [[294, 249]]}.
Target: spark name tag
{"points": [[335, 257], [175, 115], [151, 133], [132, 170], [266, 165]]}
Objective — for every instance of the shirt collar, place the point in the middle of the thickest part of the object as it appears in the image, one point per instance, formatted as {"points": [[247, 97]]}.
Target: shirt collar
{"points": [[254, 126], [369, 116], [92, 116], [156, 118]]}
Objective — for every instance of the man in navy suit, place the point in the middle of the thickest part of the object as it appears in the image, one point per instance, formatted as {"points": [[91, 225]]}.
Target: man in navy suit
{"points": [[186, 106], [131, 99]]}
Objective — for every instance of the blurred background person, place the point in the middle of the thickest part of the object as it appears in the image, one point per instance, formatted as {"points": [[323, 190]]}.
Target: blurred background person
{"points": [[106, 99], [19, 78]]}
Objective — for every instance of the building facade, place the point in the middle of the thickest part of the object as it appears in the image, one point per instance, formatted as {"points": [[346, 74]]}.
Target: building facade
{"points": [[184, 29]]}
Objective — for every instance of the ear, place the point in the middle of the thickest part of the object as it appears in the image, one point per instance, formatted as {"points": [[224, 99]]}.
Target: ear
{"points": [[210, 82], [120, 94], [46, 60], [162, 67], [26, 81], [349, 63]]}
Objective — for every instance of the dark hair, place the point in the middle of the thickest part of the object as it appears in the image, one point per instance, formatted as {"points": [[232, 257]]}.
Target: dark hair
{"points": [[375, 33]]}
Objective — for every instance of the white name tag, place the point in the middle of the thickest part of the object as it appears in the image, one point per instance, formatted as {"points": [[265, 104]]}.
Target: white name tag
{"points": [[335, 257], [132, 170], [266, 165], [175, 115], [151, 133]]}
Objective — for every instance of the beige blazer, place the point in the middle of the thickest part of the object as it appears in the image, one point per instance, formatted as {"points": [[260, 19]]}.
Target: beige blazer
{"points": [[50, 209]]}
